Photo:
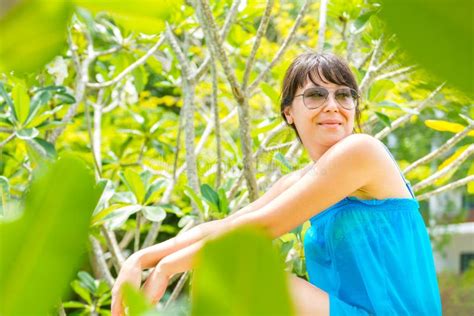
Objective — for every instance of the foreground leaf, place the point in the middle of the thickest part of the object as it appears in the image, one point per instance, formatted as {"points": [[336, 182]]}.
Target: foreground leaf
{"points": [[32, 32], [43, 249], [240, 273]]}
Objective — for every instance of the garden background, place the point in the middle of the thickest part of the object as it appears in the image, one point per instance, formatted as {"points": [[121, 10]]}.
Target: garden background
{"points": [[166, 114]]}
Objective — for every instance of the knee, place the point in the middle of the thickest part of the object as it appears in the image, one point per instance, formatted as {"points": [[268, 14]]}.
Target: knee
{"points": [[308, 300]]}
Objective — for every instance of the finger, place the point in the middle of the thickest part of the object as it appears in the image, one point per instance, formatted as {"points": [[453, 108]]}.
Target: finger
{"points": [[148, 286], [117, 309]]}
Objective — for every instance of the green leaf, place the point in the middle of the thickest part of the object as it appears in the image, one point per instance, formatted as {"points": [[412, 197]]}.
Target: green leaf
{"points": [[140, 15], [87, 281], [154, 213], [47, 244], [21, 101], [64, 97], [210, 195], [74, 304], [136, 302], [270, 92], [32, 33], [27, 133], [384, 118], [223, 202], [359, 23], [9, 101], [4, 194], [133, 181], [243, 265], [282, 161], [438, 34], [378, 90], [40, 98], [81, 291], [153, 188], [42, 148], [193, 196], [115, 216], [39, 120]]}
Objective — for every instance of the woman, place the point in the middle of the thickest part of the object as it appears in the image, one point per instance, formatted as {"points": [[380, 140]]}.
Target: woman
{"points": [[367, 250]]}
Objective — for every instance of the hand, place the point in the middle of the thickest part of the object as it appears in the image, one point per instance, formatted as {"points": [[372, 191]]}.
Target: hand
{"points": [[156, 284], [130, 272]]}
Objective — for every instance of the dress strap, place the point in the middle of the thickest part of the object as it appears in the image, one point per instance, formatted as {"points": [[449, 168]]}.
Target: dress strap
{"points": [[407, 183]]}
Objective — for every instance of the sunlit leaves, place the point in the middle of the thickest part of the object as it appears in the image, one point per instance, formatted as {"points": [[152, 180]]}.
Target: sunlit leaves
{"points": [[445, 126]]}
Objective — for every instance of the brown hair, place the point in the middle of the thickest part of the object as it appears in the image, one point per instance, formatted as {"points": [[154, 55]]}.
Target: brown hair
{"points": [[325, 66]]}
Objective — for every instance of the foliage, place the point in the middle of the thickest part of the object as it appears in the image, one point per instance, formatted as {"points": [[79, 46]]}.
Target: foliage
{"points": [[127, 124], [457, 292], [95, 293]]}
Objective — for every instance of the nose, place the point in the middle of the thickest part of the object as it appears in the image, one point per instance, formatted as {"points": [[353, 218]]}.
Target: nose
{"points": [[331, 104]]}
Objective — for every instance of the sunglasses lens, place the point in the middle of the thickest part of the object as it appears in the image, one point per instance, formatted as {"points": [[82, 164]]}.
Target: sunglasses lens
{"points": [[315, 97], [346, 97]]}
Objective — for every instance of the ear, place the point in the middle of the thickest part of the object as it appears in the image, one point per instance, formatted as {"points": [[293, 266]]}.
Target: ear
{"points": [[288, 116]]}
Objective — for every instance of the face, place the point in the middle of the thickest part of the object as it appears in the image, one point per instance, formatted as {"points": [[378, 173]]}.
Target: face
{"points": [[324, 126]]}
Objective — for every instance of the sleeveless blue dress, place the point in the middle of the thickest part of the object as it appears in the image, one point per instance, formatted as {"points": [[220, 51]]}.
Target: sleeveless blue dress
{"points": [[373, 257]]}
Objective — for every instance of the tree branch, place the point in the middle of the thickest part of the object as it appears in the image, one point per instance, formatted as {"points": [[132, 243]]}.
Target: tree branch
{"points": [[282, 48], [228, 22], [100, 263], [262, 29], [114, 249], [448, 187], [129, 69], [82, 76], [441, 150], [177, 289], [184, 63], [369, 75], [452, 166], [402, 120], [395, 73], [322, 24]]}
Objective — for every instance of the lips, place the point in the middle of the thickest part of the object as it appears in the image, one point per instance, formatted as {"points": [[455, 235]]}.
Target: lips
{"points": [[330, 122]]}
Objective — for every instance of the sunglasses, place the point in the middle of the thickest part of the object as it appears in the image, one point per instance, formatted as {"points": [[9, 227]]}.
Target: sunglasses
{"points": [[316, 97]]}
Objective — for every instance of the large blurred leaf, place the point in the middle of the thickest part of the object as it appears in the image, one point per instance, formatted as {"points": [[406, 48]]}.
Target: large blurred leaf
{"points": [[137, 302], [145, 16], [240, 273], [438, 33], [32, 32], [42, 250]]}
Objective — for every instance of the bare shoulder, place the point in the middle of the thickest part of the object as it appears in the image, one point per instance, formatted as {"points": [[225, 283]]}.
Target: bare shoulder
{"points": [[362, 149]]}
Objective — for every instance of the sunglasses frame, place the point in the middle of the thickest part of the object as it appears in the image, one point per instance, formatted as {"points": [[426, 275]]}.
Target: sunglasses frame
{"points": [[356, 99]]}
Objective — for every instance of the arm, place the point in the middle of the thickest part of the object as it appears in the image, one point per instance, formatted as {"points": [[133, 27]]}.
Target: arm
{"points": [[351, 164], [149, 257]]}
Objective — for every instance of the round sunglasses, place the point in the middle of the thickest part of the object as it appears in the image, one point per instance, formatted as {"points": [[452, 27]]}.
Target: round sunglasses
{"points": [[316, 97]]}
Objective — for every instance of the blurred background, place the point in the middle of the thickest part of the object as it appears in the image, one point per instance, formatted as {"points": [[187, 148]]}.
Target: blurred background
{"points": [[172, 108]]}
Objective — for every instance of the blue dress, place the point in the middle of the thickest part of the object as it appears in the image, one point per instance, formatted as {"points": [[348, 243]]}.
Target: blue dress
{"points": [[373, 257]]}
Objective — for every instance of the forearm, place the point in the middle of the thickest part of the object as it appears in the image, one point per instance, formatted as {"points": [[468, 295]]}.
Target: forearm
{"points": [[183, 260], [149, 257]]}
